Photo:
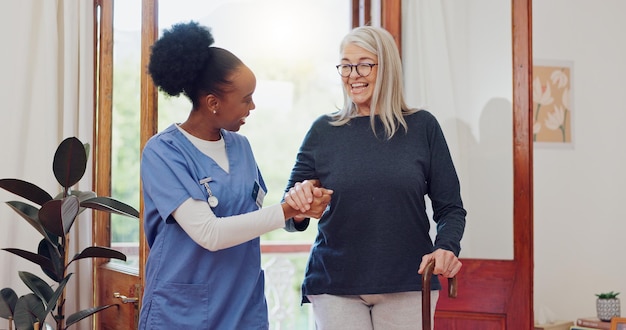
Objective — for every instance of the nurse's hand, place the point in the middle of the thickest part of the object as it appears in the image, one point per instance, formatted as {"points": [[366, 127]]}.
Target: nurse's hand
{"points": [[306, 201], [300, 196]]}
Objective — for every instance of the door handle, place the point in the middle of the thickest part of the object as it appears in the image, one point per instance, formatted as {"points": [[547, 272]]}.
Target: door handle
{"points": [[125, 299]]}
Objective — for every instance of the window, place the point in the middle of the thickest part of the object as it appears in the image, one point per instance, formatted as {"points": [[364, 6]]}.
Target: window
{"points": [[293, 56]]}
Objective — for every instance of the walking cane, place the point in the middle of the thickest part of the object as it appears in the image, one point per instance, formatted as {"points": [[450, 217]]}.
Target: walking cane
{"points": [[452, 285]]}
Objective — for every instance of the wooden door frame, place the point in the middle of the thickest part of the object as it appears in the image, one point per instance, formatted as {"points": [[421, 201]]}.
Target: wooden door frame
{"points": [[149, 106], [131, 281], [523, 229], [103, 76], [103, 119]]}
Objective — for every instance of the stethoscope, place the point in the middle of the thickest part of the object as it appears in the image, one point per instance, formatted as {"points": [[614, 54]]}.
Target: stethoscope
{"points": [[212, 199]]}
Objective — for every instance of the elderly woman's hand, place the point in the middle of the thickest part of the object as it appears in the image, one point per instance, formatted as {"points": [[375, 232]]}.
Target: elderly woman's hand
{"points": [[446, 263], [300, 196]]}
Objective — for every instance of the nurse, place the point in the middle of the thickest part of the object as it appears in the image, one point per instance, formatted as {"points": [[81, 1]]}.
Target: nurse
{"points": [[203, 194]]}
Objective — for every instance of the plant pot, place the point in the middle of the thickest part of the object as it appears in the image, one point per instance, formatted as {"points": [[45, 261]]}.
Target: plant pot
{"points": [[607, 308]]}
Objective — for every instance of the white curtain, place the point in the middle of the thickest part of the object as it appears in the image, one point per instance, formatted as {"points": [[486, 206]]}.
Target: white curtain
{"points": [[457, 64], [47, 96]]}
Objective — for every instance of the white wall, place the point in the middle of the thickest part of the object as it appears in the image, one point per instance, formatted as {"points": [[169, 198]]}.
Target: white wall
{"points": [[580, 218]]}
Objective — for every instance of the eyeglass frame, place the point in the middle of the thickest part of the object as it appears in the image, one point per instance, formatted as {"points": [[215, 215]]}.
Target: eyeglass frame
{"points": [[355, 67]]}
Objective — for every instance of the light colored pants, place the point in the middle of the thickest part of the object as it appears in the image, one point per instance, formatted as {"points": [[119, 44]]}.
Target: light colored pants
{"points": [[388, 311]]}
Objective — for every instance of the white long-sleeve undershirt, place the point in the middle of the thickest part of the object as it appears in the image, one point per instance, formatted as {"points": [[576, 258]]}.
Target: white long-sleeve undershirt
{"points": [[214, 233]]}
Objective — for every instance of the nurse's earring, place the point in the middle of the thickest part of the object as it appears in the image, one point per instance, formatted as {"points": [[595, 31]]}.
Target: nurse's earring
{"points": [[212, 103]]}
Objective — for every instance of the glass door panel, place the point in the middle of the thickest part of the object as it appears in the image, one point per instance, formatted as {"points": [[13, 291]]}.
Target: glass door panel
{"points": [[125, 126], [293, 57]]}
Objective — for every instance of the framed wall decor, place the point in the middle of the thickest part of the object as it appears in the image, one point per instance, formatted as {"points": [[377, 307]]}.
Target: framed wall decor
{"points": [[618, 323], [552, 103]]}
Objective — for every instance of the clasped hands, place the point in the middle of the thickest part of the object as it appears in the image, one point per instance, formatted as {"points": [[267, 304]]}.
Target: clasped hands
{"points": [[308, 198]]}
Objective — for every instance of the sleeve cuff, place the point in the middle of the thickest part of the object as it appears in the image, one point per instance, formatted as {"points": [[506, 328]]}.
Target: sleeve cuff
{"points": [[292, 226]]}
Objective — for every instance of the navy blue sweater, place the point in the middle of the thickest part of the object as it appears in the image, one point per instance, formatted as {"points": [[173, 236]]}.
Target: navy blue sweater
{"points": [[373, 235]]}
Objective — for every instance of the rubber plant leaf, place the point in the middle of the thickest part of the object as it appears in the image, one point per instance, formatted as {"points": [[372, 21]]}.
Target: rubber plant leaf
{"points": [[38, 286], [8, 299], [26, 190], [50, 217], [69, 212], [54, 299], [83, 196], [31, 215], [57, 216], [28, 310], [70, 162], [111, 205], [87, 149], [86, 313], [56, 255], [99, 252], [42, 261]]}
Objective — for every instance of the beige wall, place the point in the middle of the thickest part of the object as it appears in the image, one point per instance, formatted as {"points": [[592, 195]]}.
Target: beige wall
{"points": [[580, 218]]}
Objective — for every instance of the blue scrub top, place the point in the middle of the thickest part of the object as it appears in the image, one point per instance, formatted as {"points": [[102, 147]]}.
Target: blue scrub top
{"points": [[187, 286]]}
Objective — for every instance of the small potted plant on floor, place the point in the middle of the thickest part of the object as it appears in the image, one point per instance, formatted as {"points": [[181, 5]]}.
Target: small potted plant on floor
{"points": [[607, 305]]}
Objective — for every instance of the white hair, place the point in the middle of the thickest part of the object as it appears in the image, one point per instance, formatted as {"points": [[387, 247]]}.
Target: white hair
{"points": [[388, 97]]}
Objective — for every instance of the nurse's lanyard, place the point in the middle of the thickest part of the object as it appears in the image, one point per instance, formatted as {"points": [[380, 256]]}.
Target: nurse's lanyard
{"points": [[212, 199]]}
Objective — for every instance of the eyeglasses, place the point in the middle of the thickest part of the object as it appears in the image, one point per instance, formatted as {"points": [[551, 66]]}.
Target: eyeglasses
{"points": [[362, 69]]}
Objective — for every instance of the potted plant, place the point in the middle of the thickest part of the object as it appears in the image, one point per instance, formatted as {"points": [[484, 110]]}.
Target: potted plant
{"points": [[53, 218], [607, 305]]}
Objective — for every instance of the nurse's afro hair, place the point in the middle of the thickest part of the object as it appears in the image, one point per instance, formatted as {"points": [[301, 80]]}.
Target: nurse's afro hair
{"points": [[183, 61], [179, 56]]}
